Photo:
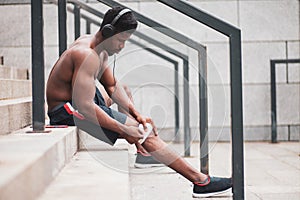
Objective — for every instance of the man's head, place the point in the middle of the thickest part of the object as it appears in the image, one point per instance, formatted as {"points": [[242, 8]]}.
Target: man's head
{"points": [[121, 23], [117, 20]]}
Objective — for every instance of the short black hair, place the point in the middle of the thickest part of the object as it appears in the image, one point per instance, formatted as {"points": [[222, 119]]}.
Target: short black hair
{"points": [[126, 22]]}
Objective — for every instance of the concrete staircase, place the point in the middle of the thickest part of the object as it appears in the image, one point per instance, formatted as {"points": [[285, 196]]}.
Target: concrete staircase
{"points": [[29, 162], [15, 99], [63, 164]]}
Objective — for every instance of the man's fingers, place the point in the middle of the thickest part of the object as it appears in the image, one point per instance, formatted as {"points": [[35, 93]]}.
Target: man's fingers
{"points": [[141, 137], [149, 120], [141, 133], [155, 130], [144, 122]]}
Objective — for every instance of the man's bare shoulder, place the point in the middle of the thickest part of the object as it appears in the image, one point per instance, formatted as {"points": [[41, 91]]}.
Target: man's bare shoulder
{"points": [[82, 49], [83, 54]]}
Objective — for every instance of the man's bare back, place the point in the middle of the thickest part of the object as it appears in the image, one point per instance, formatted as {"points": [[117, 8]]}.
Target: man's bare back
{"points": [[63, 74]]}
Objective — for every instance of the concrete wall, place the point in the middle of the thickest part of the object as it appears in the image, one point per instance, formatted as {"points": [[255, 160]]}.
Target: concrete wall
{"points": [[270, 30]]}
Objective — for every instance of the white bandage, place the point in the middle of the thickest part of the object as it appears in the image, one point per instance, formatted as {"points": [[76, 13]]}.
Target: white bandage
{"points": [[149, 130]]}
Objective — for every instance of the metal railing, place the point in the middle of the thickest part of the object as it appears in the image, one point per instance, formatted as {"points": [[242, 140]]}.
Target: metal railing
{"points": [[273, 94], [235, 76], [234, 35], [38, 77]]}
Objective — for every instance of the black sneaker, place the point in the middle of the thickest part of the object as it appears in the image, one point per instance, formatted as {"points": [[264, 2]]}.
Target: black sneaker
{"points": [[212, 186], [146, 161]]}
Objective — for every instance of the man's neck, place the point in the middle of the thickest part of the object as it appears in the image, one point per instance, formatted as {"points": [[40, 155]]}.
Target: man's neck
{"points": [[96, 42]]}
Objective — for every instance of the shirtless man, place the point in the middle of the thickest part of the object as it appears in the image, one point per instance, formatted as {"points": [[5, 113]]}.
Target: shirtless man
{"points": [[72, 80]]}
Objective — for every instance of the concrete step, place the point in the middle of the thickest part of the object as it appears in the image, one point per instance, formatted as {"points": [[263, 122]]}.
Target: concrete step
{"points": [[11, 89], [29, 162], [13, 73], [15, 114], [98, 172]]}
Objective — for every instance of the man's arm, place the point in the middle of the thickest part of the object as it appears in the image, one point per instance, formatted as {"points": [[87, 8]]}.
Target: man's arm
{"points": [[113, 88], [116, 91], [86, 68]]}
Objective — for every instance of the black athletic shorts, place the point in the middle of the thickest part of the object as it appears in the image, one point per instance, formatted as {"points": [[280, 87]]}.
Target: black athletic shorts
{"points": [[60, 116]]}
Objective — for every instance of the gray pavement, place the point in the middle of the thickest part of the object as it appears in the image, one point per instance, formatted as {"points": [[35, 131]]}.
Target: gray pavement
{"points": [[272, 171]]}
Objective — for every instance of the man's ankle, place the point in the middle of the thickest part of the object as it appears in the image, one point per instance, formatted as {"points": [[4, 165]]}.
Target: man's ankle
{"points": [[203, 182]]}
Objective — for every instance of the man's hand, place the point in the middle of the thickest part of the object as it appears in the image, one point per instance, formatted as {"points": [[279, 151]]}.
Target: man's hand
{"points": [[133, 134], [143, 120]]}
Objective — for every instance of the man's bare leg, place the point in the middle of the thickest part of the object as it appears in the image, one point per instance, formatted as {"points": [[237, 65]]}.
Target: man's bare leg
{"points": [[204, 185], [161, 152]]}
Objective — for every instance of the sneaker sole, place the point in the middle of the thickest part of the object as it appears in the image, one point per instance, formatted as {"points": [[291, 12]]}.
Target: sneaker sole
{"points": [[196, 195], [143, 166]]}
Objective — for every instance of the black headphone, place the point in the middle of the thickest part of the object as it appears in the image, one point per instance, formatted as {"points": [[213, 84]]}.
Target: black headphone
{"points": [[108, 30]]}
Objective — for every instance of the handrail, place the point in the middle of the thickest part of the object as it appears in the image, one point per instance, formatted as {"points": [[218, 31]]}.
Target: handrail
{"points": [[273, 94], [201, 16], [234, 35]]}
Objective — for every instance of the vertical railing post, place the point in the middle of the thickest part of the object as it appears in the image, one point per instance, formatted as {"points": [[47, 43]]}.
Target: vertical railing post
{"points": [[273, 103], [186, 101], [203, 110], [77, 20], [38, 76], [176, 99], [62, 25], [237, 115], [273, 95], [88, 27]]}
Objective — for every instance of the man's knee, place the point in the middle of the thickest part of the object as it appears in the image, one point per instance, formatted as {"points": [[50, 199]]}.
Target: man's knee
{"points": [[151, 139]]}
